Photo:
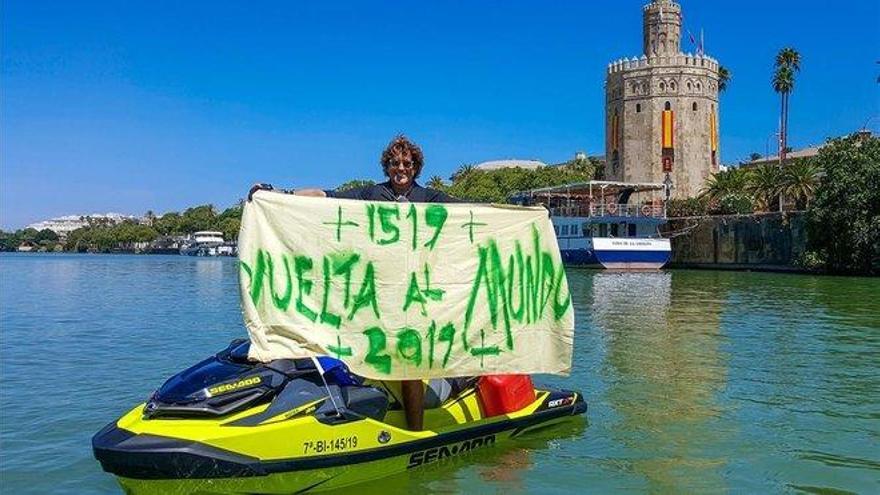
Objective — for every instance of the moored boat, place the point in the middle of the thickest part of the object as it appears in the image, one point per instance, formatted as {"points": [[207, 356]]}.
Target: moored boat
{"points": [[607, 224], [203, 243]]}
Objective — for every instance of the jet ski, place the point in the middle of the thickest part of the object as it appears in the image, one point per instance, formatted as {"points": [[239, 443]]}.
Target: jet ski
{"points": [[230, 425]]}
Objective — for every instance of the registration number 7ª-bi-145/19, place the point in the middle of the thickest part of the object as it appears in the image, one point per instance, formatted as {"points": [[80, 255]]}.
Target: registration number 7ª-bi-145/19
{"points": [[327, 446]]}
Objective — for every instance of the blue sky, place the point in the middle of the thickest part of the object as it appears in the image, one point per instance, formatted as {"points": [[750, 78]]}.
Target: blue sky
{"points": [[126, 107]]}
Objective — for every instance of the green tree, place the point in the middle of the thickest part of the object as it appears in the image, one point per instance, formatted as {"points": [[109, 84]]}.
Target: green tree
{"points": [[687, 207], [800, 180], [231, 212], [765, 184], [843, 220], [168, 224], [462, 172], [788, 63], [29, 234], [723, 78], [197, 218], [230, 227], [728, 192], [436, 182], [496, 186], [46, 235], [8, 241], [725, 182], [355, 183]]}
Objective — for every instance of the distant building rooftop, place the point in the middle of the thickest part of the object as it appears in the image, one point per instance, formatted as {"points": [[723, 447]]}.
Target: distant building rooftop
{"points": [[792, 155], [807, 152]]}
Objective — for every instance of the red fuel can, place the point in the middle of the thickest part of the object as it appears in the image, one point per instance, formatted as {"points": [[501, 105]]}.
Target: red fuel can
{"points": [[503, 394]]}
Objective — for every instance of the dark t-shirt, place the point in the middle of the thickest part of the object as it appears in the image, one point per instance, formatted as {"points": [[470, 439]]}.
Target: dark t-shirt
{"points": [[384, 192]]}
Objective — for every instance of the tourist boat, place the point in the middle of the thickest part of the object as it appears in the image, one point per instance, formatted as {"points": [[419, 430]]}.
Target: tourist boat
{"points": [[606, 224], [203, 243]]}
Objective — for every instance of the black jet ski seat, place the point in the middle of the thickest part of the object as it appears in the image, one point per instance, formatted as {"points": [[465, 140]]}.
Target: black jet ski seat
{"points": [[228, 382]]}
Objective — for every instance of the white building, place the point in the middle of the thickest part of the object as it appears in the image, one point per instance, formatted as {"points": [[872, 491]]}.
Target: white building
{"points": [[68, 223]]}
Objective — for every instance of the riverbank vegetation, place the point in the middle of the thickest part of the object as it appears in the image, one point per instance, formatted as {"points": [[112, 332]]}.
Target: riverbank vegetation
{"points": [[843, 220], [101, 236], [839, 189], [468, 183]]}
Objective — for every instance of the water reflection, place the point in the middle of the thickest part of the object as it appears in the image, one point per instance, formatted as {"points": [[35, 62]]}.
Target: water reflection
{"points": [[506, 467], [665, 366]]}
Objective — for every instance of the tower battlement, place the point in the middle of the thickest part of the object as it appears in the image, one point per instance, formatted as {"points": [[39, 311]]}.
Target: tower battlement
{"points": [[682, 59]]}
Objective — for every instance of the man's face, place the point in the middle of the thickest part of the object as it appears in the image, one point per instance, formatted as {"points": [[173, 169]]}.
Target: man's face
{"points": [[402, 170]]}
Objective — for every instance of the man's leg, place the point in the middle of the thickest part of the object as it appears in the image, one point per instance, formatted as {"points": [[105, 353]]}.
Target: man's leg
{"points": [[413, 403]]}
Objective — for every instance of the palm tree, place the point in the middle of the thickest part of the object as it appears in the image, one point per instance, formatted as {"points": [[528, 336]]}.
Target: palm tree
{"points": [[726, 183], [723, 78], [800, 181], [765, 183], [462, 172], [788, 63], [436, 182]]}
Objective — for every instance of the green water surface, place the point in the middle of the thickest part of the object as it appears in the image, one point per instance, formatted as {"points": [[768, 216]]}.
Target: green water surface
{"points": [[698, 381]]}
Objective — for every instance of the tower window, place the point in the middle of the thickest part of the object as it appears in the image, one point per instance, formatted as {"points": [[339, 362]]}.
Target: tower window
{"points": [[672, 86], [662, 86], [695, 106], [667, 106], [690, 86], [638, 107], [699, 87]]}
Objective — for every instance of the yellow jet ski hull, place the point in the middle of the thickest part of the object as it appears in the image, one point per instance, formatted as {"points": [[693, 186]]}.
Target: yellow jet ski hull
{"points": [[296, 452]]}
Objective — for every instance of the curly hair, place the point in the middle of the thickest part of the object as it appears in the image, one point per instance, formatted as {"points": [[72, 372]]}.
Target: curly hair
{"points": [[402, 146]]}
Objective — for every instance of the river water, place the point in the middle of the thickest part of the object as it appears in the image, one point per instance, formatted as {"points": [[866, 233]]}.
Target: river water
{"points": [[698, 381]]}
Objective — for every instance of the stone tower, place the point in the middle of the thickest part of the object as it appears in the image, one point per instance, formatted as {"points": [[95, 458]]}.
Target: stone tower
{"points": [[661, 109]]}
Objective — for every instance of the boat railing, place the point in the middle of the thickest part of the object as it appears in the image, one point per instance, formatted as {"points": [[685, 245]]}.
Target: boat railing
{"points": [[611, 210]]}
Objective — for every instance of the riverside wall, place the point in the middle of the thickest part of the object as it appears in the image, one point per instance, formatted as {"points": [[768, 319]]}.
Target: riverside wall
{"points": [[770, 241]]}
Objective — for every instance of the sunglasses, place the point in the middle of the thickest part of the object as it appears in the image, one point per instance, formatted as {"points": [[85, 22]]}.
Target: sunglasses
{"points": [[402, 164]]}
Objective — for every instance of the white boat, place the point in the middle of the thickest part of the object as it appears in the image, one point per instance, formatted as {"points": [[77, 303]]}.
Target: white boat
{"points": [[203, 243], [603, 223]]}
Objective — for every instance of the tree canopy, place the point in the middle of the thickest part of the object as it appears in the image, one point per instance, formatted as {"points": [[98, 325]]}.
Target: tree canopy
{"points": [[843, 221]]}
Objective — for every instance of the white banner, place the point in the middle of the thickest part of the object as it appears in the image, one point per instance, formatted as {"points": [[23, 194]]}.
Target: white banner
{"points": [[405, 290]]}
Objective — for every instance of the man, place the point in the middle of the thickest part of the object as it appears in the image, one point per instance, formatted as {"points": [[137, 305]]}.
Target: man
{"points": [[402, 163]]}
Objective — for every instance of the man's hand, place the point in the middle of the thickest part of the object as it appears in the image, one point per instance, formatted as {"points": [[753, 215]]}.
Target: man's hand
{"points": [[259, 187]]}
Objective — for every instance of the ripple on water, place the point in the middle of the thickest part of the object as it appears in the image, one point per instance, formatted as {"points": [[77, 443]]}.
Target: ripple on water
{"points": [[697, 381]]}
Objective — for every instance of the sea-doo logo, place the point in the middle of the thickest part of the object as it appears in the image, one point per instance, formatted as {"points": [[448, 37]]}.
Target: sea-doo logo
{"points": [[437, 453], [229, 387], [560, 402]]}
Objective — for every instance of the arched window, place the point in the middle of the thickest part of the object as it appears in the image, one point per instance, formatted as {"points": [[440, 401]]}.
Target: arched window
{"points": [[672, 86], [690, 86], [667, 106], [699, 87], [638, 107], [662, 86], [695, 106]]}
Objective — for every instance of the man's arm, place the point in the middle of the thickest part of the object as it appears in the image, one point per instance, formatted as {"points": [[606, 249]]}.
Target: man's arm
{"points": [[315, 193]]}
